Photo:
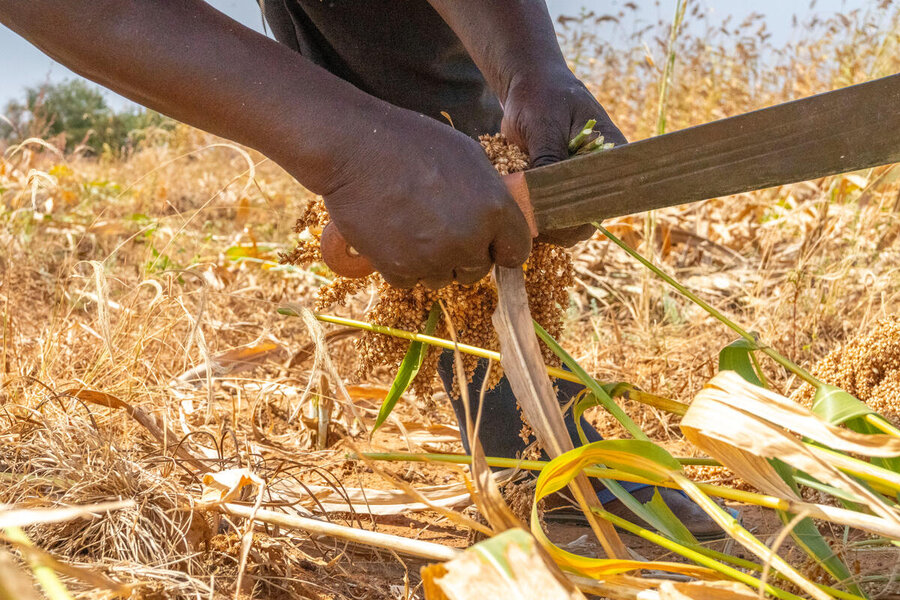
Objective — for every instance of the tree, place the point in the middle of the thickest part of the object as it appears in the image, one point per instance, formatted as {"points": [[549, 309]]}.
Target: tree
{"points": [[80, 112]]}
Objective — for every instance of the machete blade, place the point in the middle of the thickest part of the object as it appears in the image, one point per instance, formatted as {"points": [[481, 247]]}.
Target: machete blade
{"points": [[836, 132]]}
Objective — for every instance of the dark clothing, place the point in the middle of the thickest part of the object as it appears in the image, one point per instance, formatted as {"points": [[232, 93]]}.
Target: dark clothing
{"points": [[400, 51]]}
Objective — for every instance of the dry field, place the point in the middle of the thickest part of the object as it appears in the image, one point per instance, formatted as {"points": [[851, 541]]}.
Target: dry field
{"points": [[141, 342]]}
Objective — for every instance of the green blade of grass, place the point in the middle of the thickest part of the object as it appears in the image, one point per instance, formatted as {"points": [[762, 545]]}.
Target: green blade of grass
{"points": [[811, 482], [46, 576], [591, 384], [657, 514], [409, 368], [586, 400], [677, 530], [706, 557]]}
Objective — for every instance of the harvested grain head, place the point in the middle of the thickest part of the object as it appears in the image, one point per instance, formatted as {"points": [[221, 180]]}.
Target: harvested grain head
{"points": [[548, 275], [867, 366]]}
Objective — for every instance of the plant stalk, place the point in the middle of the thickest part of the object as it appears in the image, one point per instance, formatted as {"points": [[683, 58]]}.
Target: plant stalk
{"points": [[788, 364], [869, 523], [664, 404]]}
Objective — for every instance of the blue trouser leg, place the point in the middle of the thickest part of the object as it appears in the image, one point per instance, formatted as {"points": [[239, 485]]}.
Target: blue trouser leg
{"points": [[501, 421]]}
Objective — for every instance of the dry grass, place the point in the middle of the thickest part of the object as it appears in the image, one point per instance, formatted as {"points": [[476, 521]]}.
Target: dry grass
{"points": [[116, 276]]}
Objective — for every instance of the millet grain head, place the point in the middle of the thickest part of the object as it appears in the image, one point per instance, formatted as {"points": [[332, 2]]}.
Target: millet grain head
{"points": [[867, 366], [548, 275]]}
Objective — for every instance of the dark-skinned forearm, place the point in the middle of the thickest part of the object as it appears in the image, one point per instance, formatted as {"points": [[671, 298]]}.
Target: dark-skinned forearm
{"points": [[506, 38], [193, 63]]}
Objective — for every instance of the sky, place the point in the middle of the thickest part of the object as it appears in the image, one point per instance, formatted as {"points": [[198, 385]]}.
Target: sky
{"points": [[22, 65]]}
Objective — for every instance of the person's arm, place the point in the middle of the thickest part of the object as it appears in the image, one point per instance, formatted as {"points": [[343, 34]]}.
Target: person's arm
{"points": [[420, 200], [544, 105], [191, 62], [507, 39]]}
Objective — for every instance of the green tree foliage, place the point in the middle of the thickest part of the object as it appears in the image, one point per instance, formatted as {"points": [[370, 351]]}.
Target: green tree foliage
{"points": [[80, 112]]}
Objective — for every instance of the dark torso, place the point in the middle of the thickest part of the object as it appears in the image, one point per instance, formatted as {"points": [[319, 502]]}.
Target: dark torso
{"points": [[398, 50]]}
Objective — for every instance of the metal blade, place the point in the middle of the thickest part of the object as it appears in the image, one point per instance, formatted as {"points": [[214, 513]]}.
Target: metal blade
{"points": [[849, 129]]}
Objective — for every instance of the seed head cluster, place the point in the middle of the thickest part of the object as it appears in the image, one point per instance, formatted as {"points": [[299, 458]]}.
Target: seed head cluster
{"points": [[867, 366], [548, 275]]}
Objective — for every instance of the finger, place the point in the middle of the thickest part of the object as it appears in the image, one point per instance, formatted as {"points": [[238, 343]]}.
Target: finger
{"points": [[399, 281], [436, 282], [548, 147], [512, 244], [569, 236], [470, 275]]}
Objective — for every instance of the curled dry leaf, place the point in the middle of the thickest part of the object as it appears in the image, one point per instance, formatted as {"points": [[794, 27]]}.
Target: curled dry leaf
{"points": [[165, 437], [743, 426], [231, 361], [226, 486], [781, 411], [524, 367]]}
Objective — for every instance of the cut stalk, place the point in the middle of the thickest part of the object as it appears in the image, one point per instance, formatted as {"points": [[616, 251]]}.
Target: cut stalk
{"points": [[401, 545], [578, 141]]}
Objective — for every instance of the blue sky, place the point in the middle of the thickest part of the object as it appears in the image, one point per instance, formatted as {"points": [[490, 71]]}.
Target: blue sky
{"points": [[23, 65]]}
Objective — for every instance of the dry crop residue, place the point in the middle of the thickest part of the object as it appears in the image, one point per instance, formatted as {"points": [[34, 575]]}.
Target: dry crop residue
{"points": [[548, 275]]}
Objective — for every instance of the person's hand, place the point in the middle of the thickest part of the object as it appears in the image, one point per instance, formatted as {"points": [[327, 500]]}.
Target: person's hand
{"points": [[422, 202], [542, 113]]}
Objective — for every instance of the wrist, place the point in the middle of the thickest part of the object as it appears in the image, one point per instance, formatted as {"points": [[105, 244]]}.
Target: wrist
{"points": [[327, 152]]}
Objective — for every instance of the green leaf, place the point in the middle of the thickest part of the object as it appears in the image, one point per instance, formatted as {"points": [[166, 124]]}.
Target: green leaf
{"points": [[674, 528], [737, 356], [809, 538], [585, 400], [410, 366], [251, 251], [592, 385], [659, 517], [839, 407]]}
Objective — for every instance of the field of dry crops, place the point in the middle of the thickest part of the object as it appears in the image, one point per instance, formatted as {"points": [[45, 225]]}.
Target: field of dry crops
{"points": [[142, 348]]}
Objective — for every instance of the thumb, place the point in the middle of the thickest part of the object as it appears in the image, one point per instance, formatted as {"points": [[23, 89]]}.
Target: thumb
{"points": [[512, 242], [548, 147]]}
